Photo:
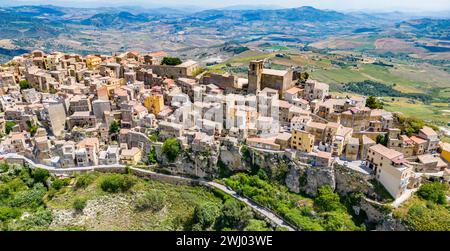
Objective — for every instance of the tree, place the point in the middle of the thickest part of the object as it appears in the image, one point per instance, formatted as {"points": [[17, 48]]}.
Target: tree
{"points": [[338, 221], [234, 215], [205, 216], [23, 84], [85, 180], [327, 200], [374, 103], [171, 148], [304, 76], [57, 184], [9, 126], [171, 61], [151, 158], [382, 139], [32, 127], [116, 183], [7, 213], [434, 191], [256, 225], [40, 175], [114, 127], [410, 125]]}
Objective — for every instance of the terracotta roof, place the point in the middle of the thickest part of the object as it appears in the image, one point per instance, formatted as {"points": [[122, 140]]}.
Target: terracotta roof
{"points": [[158, 54], [120, 92], [140, 108], [17, 136], [324, 155], [428, 131], [124, 131], [445, 146], [386, 152], [333, 125], [88, 142], [317, 125], [262, 141], [406, 139], [303, 101], [284, 104], [293, 90], [418, 140], [274, 72]]}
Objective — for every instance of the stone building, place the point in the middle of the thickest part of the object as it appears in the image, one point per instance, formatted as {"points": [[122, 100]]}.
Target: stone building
{"points": [[260, 78]]}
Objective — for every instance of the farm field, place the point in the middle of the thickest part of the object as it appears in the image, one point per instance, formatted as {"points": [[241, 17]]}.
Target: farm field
{"points": [[436, 113]]}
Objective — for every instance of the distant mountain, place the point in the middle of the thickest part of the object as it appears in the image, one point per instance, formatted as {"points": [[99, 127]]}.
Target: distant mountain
{"points": [[427, 27], [36, 11], [251, 7], [305, 14], [115, 19]]}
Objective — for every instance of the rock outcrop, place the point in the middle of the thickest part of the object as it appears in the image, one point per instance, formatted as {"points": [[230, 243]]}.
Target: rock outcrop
{"points": [[231, 157], [350, 181], [202, 164], [317, 177]]}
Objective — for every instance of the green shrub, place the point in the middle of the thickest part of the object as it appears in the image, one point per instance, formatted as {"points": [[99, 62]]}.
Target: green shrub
{"points": [[114, 127], [39, 220], [434, 191], [171, 61], [85, 180], [338, 221], [235, 215], [23, 84], [205, 216], [31, 198], [374, 103], [79, 204], [256, 225], [151, 158], [327, 200], [114, 183], [152, 200], [40, 175], [57, 184], [7, 213], [8, 126], [171, 148]]}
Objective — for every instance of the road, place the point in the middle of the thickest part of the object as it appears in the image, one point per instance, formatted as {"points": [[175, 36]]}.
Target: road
{"points": [[261, 210], [268, 214]]}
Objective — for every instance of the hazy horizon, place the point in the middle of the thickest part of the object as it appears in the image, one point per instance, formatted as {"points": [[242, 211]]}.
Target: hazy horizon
{"points": [[339, 5]]}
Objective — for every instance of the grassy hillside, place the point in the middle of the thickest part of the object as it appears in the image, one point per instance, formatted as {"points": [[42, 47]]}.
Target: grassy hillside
{"points": [[35, 200]]}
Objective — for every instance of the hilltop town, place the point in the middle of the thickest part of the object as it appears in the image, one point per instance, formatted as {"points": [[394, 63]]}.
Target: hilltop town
{"points": [[157, 112]]}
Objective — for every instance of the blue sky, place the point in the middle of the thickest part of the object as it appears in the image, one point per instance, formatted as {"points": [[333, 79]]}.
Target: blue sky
{"points": [[405, 5]]}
